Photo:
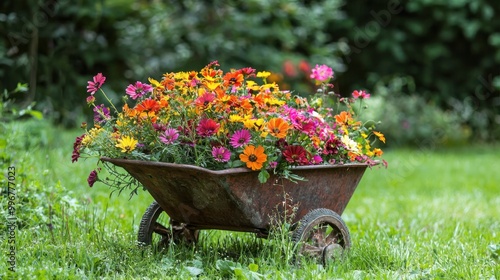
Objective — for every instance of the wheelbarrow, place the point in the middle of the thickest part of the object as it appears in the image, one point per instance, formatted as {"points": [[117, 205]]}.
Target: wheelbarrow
{"points": [[195, 198]]}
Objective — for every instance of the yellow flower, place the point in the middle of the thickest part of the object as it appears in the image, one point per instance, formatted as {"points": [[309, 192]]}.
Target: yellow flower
{"points": [[263, 74], [235, 118], [127, 144], [91, 135]]}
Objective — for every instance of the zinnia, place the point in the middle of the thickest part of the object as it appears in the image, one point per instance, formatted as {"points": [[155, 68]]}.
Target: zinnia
{"points": [[254, 157]]}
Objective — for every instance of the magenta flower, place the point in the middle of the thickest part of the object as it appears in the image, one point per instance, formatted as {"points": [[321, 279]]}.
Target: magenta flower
{"points": [[316, 159], [321, 73], [207, 127], [92, 178], [360, 94], [240, 138], [169, 136], [96, 83], [221, 154], [138, 90], [101, 113]]}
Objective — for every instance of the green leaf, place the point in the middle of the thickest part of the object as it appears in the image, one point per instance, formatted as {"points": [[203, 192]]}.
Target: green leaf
{"points": [[21, 87], [238, 272], [35, 114], [253, 267], [194, 271], [263, 176]]}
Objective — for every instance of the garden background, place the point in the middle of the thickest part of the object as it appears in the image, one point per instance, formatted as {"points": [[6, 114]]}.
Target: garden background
{"points": [[431, 67]]}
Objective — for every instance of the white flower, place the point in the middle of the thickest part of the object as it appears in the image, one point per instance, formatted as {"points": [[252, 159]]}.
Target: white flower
{"points": [[350, 144]]}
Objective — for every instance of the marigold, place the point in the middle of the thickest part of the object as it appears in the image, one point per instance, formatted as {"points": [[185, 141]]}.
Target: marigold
{"points": [[254, 157]]}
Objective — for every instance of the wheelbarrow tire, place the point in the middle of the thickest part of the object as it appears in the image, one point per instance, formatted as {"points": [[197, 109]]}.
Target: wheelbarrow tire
{"points": [[321, 234], [172, 232]]}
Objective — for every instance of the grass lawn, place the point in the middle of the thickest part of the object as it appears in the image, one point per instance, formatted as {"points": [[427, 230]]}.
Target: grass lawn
{"points": [[433, 214]]}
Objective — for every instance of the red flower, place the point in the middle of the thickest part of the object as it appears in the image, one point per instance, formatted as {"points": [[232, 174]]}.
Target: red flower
{"points": [[207, 127], [295, 154], [92, 178], [76, 148]]}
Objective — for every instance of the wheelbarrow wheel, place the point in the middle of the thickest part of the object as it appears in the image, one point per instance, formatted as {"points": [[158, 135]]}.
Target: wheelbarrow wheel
{"points": [[159, 230], [322, 235]]}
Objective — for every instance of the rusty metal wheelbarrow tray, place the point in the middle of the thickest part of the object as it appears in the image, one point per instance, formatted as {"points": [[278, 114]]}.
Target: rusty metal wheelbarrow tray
{"points": [[234, 199]]}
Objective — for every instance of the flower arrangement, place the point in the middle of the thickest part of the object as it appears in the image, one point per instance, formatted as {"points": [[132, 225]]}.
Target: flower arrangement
{"points": [[219, 120]]}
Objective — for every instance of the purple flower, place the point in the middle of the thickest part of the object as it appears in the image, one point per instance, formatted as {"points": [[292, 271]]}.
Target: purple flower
{"points": [[321, 73], [101, 113], [169, 136], [138, 90], [221, 154], [92, 178], [240, 138]]}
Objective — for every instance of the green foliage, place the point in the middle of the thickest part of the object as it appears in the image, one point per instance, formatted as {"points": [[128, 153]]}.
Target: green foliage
{"points": [[408, 119], [131, 40], [449, 48]]}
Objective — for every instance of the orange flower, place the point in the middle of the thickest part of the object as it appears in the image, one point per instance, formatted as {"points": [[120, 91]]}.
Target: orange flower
{"points": [[148, 105], [233, 79], [343, 118], [380, 136], [254, 157], [278, 127]]}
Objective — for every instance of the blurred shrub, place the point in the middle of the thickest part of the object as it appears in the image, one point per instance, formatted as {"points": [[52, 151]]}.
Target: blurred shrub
{"points": [[408, 119], [57, 45], [450, 48]]}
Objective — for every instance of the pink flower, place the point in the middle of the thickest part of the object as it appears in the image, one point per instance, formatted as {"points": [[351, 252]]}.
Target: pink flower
{"points": [[169, 136], [360, 94], [316, 159], [96, 84], [240, 138], [138, 90], [321, 73], [221, 154], [207, 127]]}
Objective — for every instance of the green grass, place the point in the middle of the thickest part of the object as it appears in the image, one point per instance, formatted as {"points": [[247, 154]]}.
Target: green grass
{"points": [[433, 214]]}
